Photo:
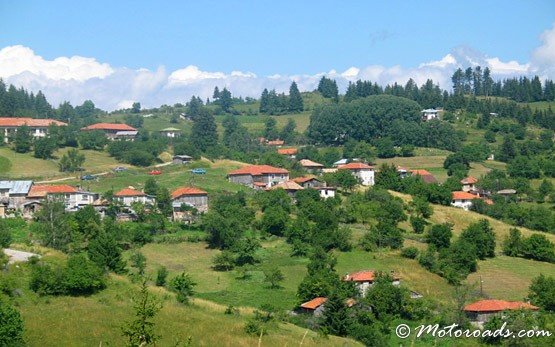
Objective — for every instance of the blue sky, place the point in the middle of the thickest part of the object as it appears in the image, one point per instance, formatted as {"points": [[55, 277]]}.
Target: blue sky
{"points": [[268, 37], [187, 47]]}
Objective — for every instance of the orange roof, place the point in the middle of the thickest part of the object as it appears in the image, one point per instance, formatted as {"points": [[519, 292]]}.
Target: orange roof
{"points": [[109, 126], [275, 143], [488, 201], [304, 179], [287, 151], [187, 191], [129, 192], [498, 305], [309, 163], [314, 303], [43, 190], [31, 122], [459, 195], [356, 166], [469, 180], [257, 170], [425, 174], [289, 185], [363, 276]]}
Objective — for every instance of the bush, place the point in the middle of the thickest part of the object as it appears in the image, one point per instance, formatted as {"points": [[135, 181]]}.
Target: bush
{"points": [[11, 327], [46, 280], [183, 286], [224, 261], [82, 276], [409, 252], [161, 276], [5, 235]]}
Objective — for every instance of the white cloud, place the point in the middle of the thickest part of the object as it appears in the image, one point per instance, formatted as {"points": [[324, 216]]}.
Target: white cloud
{"points": [[18, 59], [79, 78]]}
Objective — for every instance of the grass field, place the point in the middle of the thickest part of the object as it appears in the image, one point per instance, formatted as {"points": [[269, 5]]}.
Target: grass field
{"points": [[97, 320], [508, 277], [24, 165], [542, 105]]}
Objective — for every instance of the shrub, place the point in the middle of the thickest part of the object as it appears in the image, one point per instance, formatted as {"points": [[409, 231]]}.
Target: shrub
{"points": [[409, 252], [224, 261], [5, 235], [46, 280], [183, 286], [161, 276], [11, 327], [83, 276]]}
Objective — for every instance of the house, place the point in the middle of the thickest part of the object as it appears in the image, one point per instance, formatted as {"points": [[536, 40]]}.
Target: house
{"points": [[506, 192], [276, 143], [129, 195], [289, 152], [308, 181], [468, 184], [290, 187], [190, 196], [170, 132], [260, 176], [481, 311], [365, 279], [340, 162], [114, 131], [72, 197], [311, 166], [182, 159], [429, 114], [314, 307], [402, 171], [462, 199], [326, 192], [38, 127], [13, 196], [363, 172], [426, 176]]}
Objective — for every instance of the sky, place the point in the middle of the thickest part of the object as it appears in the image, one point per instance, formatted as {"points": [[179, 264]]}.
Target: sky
{"points": [[117, 52]]}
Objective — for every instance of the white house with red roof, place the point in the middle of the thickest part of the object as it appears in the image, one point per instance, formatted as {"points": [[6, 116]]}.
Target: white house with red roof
{"points": [[481, 311], [469, 184], [73, 198], [114, 131], [363, 172], [462, 199], [189, 196], [38, 127], [259, 176], [129, 195], [365, 279]]}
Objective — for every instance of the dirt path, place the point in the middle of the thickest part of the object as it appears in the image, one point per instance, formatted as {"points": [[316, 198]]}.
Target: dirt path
{"points": [[18, 256]]}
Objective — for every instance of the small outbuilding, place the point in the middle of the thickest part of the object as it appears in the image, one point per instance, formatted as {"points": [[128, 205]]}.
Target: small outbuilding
{"points": [[181, 159]]}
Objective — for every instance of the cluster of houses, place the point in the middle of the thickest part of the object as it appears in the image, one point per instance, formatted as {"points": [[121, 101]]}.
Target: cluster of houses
{"points": [[469, 193], [24, 198], [39, 128]]}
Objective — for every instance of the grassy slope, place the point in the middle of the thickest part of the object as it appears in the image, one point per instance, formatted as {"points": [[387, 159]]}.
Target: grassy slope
{"points": [[18, 165], [56, 321]]}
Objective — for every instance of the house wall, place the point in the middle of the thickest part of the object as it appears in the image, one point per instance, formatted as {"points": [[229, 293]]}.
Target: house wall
{"points": [[464, 204], [200, 202], [366, 177], [327, 193], [128, 200], [467, 187], [35, 132], [241, 179]]}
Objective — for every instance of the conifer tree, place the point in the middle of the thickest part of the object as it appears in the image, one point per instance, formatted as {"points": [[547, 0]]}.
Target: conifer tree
{"points": [[295, 99]]}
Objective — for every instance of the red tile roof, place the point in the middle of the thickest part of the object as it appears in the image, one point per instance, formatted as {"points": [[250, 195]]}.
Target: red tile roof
{"points": [[289, 185], [498, 305], [257, 170], [287, 151], [43, 190], [304, 179], [363, 276], [129, 192], [187, 191], [460, 195], [31, 122], [425, 174], [469, 180], [314, 303], [356, 166], [309, 163], [109, 126]]}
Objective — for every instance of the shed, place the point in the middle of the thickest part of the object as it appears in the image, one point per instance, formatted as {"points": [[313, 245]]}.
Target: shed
{"points": [[182, 159]]}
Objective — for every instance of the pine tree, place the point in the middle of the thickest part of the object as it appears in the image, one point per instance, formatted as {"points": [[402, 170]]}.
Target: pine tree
{"points": [[23, 139], [140, 331], [225, 101], [487, 82], [216, 94], [295, 99], [204, 132], [264, 101]]}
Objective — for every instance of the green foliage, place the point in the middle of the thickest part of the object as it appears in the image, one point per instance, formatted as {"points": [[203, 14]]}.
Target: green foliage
{"points": [[295, 99], [273, 276], [71, 161], [23, 139], [341, 178], [439, 235], [481, 235], [105, 252], [54, 225], [336, 319], [418, 224], [138, 261], [141, 330], [204, 133], [328, 88], [183, 286], [11, 329], [161, 276], [82, 276], [47, 280], [512, 245], [5, 235], [409, 252], [224, 261], [538, 247], [542, 292], [385, 148], [134, 120], [382, 235], [274, 221], [95, 139], [387, 177], [44, 148]]}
